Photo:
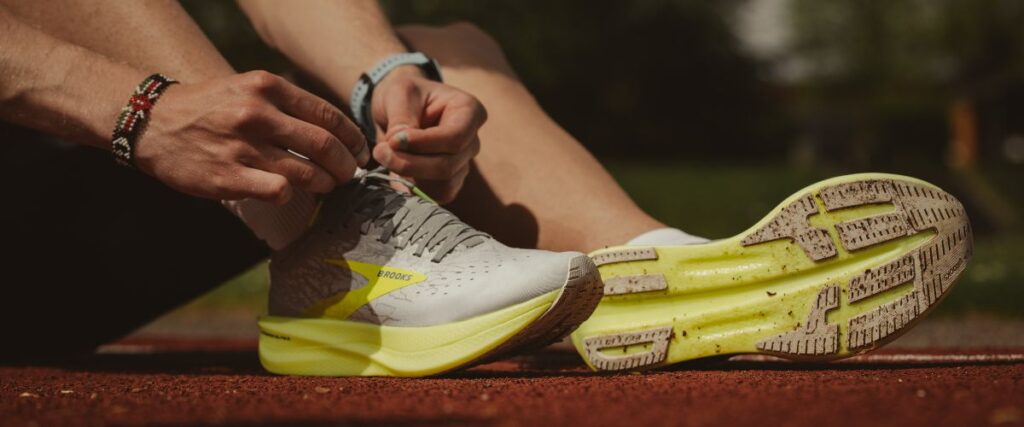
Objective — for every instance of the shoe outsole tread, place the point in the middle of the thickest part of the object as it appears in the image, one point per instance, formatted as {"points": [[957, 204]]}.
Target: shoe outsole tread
{"points": [[839, 268]]}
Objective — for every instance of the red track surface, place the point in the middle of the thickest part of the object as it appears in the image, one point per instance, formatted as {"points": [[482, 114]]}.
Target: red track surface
{"points": [[223, 384]]}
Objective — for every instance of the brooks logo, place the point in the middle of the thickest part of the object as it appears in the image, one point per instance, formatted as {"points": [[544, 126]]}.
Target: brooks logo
{"points": [[394, 276]]}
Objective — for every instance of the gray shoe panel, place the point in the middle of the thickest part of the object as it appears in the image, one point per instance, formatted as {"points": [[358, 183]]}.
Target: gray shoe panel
{"points": [[467, 282]]}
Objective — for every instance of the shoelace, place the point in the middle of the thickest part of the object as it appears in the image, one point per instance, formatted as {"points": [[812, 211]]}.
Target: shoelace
{"points": [[404, 219]]}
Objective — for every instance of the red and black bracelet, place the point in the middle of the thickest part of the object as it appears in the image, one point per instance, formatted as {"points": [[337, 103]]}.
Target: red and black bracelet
{"points": [[134, 116]]}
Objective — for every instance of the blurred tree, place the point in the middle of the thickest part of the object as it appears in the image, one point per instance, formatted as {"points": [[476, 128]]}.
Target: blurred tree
{"points": [[904, 84], [889, 74]]}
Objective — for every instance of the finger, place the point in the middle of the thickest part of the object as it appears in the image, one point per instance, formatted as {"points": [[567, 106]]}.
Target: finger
{"points": [[317, 145], [403, 108], [300, 172], [446, 191], [257, 184], [422, 166], [310, 108], [457, 127]]}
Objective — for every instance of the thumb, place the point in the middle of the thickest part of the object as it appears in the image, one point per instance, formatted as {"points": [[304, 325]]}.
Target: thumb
{"points": [[403, 109]]}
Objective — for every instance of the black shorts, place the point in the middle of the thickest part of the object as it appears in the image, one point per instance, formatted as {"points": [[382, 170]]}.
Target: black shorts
{"points": [[93, 250]]}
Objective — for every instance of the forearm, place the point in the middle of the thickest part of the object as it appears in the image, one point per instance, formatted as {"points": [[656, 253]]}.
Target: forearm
{"points": [[59, 88], [335, 41], [151, 35]]}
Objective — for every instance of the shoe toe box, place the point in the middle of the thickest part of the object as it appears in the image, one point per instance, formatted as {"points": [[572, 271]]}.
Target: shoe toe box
{"points": [[472, 285]]}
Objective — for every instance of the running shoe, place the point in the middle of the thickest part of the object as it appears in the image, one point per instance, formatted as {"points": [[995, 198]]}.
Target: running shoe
{"points": [[386, 283], [839, 268]]}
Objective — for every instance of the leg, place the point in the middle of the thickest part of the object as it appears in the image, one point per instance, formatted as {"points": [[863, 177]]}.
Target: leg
{"points": [[534, 185]]}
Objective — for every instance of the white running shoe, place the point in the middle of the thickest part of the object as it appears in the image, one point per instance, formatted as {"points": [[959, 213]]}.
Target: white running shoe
{"points": [[388, 283]]}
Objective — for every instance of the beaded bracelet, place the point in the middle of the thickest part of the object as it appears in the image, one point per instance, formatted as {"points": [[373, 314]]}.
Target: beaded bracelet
{"points": [[134, 116]]}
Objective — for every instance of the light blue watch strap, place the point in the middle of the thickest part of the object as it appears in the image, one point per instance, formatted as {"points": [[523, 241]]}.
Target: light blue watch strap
{"points": [[362, 93]]}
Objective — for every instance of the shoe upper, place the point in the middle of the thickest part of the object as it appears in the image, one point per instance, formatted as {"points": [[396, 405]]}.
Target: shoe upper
{"points": [[386, 257]]}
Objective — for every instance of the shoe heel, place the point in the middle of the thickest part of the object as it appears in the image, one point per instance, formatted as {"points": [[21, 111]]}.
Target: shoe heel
{"points": [[629, 283]]}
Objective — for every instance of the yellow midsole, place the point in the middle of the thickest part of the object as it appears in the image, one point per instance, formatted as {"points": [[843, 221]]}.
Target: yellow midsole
{"points": [[330, 347]]}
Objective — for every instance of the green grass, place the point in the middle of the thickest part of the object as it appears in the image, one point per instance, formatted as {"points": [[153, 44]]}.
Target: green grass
{"points": [[994, 280], [720, 201], [710, 201]]}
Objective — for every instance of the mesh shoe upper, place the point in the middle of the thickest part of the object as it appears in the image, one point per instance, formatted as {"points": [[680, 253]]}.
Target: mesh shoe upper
{"points": [[381, 256]]}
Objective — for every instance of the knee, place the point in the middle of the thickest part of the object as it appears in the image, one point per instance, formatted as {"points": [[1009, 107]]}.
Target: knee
{"points": [[468, 33], [460, 42]]}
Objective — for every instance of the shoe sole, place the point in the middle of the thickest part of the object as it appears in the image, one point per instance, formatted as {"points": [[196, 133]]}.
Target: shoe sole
{"points": [[839, 268], [329, 347]]}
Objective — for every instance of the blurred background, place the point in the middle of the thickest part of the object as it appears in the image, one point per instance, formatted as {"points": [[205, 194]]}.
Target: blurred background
{"points": [[709, 113]]}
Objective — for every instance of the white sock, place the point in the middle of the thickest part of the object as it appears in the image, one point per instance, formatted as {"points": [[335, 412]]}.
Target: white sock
{"points": [[665, 237], [277, 225]]}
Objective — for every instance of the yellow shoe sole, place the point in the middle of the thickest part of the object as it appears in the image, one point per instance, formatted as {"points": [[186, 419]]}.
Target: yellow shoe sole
{"points": [[839, 268], [332, 347]]}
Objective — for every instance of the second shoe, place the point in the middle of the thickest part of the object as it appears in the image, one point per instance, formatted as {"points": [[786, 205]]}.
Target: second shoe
{"points": [[839, 268]]}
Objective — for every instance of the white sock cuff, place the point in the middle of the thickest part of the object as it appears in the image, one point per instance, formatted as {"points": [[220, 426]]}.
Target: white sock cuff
{"points": [[665, 236], [277, 225]]}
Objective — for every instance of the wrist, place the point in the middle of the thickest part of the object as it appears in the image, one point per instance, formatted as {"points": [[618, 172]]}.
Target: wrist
{"points": [[344, 82], [131, 123], [99, 102], [399, 74]]}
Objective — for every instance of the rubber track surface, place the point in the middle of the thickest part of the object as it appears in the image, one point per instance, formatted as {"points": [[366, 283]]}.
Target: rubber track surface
{"points": [[222, 383]]}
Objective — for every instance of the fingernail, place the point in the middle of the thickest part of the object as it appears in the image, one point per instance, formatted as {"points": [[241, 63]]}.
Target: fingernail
{"points": [[403, 140], [286, 196], [363, 155]]}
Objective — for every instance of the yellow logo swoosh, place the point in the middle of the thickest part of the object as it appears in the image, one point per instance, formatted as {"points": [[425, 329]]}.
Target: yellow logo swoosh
{"points": [[381, 280]]}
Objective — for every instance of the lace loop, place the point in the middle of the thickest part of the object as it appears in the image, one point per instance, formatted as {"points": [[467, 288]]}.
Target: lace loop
{"points": [[404, 219]]}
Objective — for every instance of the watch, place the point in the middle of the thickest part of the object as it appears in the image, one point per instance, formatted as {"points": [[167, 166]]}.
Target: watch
{"points": [[362, 93]]}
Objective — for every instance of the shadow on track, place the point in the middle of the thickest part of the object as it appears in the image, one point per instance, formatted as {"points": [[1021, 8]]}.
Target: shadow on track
{"points": [[205, 363], [541, 364]]}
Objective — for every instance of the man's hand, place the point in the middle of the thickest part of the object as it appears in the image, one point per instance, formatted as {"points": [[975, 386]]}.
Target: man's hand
{"points": [[230, 138], [429, 131]]}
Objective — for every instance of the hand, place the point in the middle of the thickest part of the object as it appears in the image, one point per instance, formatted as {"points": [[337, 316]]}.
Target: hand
{"points": [[429, 131], [229, 138]]}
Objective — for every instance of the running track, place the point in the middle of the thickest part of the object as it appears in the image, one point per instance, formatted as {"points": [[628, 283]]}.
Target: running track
{"points": [[220, 382]]}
